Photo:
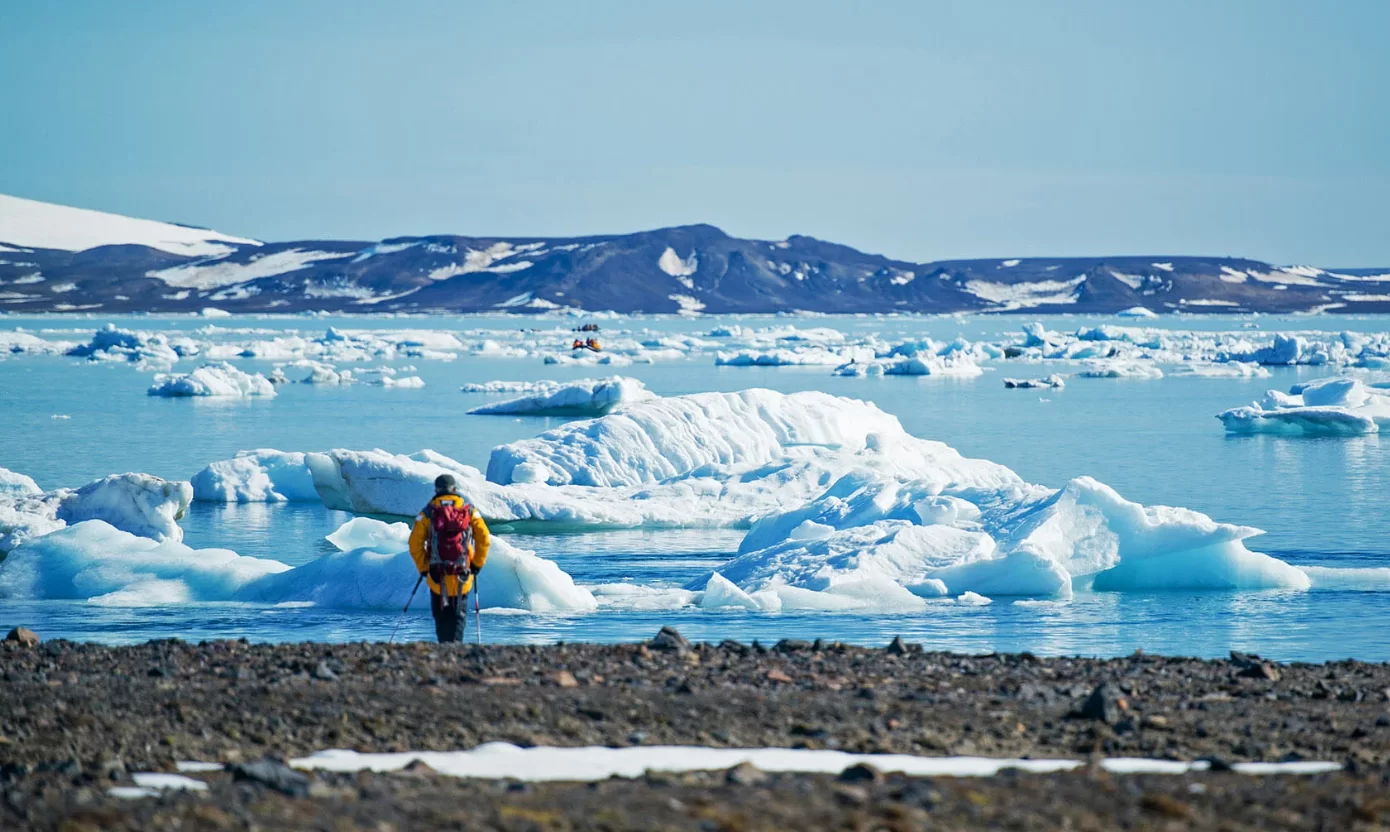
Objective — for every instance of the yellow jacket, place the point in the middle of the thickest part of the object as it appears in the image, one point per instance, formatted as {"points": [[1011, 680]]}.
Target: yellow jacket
{"points": [[476, 558]]}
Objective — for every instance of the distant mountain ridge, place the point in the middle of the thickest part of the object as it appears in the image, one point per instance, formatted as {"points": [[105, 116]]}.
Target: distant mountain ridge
{"points": [[54, 258]]}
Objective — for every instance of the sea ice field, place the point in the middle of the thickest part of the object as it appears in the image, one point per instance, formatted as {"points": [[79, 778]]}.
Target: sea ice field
{"points": [[1061, 485]]}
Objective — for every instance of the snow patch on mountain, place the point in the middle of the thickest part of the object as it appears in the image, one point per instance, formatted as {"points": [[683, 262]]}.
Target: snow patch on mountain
{"points": [[214, 274], [34, 224]]}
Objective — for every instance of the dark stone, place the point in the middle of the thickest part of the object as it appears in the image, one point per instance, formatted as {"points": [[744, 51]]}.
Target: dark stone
{"points": [[1104, 705], [669, 638], [745, 774], [792, 645], [861, 773], [1244, 660], [273, 774], [734, 647], [897, 646], [1215, 763], [1260, 670], [23, 635]]}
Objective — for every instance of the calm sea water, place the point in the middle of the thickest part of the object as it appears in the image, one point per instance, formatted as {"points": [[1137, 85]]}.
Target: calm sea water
{"points": [[1321, 501]]}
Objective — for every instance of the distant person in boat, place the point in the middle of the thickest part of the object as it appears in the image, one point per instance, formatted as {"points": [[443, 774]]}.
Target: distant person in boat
{"points": [[449, 544]]}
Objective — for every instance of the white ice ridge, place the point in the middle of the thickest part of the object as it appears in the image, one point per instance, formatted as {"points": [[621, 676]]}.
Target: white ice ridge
{"points": [[1340, 406], [27, 222], [218, 379], [500, 760], [138, 503], [677, 436], [98, 563], [586, 397]]}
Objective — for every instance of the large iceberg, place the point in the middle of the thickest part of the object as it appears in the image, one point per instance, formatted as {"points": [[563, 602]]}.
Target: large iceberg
{"points": [[704, 460], [586, 397], [844, 509], [1339, 406], [673, 437], [217, 379]]}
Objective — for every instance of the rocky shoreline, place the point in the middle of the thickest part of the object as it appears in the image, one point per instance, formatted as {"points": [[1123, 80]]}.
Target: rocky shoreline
{"points": [[77, 719]]}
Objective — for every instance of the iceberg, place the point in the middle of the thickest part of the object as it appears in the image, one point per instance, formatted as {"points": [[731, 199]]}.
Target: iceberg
{"points": [[373, 568], [542, 386], [93, 560], [586, 397], [113, 344], [1339, 406], [259, 476], [812, 357], [217, 379], [844, 509], [672, 437], [1053, 381], [1229, 369], [1012, 540], [136, 503], [1136, 312], [1120, 369], [321, 373], [957, 365], [405, 383], [96, 562], [13, 484]]}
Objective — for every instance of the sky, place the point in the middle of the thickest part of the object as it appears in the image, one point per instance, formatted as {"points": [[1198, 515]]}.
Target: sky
{"points": [[921, 130]]}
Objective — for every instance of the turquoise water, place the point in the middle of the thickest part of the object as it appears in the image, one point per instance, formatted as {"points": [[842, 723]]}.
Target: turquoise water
{"points": [[1321, 501]]}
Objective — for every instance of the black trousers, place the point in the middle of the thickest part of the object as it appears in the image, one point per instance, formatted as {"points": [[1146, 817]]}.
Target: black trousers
{"points": [[448, 621]]}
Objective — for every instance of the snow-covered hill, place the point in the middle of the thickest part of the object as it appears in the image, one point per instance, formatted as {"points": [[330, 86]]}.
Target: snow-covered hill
{"points": [[54, 258], [27, 223]]}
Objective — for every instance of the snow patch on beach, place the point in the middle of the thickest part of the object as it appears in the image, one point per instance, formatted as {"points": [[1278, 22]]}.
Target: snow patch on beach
{"points": [[500, 760]]}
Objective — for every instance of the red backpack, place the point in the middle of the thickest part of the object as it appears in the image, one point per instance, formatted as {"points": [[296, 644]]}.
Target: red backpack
{"points": [[451, 536]]}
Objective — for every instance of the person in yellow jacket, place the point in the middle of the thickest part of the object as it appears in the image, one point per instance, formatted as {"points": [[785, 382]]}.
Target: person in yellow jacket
{"points": [[446, 593]]}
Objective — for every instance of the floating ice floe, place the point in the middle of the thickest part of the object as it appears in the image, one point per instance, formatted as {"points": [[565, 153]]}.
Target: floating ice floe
{"points": [[1327, 407], [1120, 369], [542, 386], [1053, 381], [138, 503], [260, 476], [322, 373], [586, 397], [812, 357], [219, 379], [500, 760], [404, 383], [113, 344], [1136, 312], [1230, 369]]}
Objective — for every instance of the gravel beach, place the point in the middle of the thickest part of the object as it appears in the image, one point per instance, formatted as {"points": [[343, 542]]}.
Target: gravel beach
{"points": [[78, 719]]}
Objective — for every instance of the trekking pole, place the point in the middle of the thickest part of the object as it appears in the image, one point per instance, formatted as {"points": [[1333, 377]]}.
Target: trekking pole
{"points": [[477, 610], [401, 620]]}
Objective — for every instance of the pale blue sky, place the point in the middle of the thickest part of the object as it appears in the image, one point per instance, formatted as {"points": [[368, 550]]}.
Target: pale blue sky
{"points": [[922, 130]]}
